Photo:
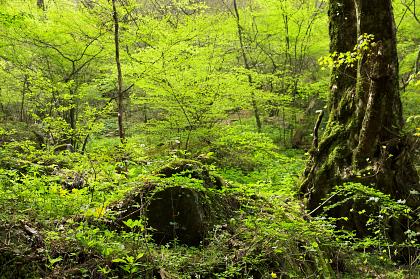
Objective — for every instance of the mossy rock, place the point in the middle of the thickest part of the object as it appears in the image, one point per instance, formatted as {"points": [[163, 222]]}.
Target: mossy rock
{"points": [[184, 214], [187, 214], [192, 169]]}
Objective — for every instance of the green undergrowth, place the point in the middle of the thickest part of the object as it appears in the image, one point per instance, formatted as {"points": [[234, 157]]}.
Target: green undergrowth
{"points": [[55, 210]]}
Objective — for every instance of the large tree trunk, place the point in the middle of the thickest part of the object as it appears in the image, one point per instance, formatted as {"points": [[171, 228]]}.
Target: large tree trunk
{"points": [[362, 141]]}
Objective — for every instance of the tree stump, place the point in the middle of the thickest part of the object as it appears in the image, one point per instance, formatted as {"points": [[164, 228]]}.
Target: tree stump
{"points": [[177, 213], [182, 214]]}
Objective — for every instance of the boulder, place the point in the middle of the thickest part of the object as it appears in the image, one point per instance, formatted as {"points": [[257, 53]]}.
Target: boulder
{"points": [[176, 213], [185, 214]]}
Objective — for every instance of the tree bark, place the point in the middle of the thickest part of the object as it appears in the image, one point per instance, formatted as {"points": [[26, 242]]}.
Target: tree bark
{"points": [[363, 140], [120, 92]]}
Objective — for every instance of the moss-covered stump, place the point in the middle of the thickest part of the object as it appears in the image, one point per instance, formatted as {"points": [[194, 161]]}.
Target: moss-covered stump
{"points": [[184, 214], [193, 169]]}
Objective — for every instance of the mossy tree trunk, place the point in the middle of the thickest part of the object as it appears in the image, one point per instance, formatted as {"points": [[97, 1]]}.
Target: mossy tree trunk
{"points": [[363, 139]]}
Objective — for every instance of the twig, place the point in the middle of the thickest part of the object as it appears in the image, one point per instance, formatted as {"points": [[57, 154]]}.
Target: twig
{"points": [[324, 202], [316, 128]]}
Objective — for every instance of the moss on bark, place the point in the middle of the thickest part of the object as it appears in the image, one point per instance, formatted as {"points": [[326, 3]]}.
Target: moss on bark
{"points": [[362, 141]]}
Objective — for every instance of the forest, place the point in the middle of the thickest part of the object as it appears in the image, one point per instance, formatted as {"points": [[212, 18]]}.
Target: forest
{"points": [[209, 139]]}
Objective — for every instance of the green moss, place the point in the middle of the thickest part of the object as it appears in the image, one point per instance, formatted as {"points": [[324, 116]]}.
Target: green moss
{"points": [[333, 131], [192, 169], [336, 154]]}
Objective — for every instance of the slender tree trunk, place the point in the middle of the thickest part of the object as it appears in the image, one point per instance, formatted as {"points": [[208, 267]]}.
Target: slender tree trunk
{"points": [[22, 100], [72, 114], [120, 92], [247, 66], [40, 4], [362, 141], [72, 118]]}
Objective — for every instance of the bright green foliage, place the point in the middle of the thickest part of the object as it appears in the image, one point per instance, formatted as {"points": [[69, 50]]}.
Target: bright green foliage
{"points": [[49, 79], [409, 55], [187, 95], [350, 59], [382, 212]]}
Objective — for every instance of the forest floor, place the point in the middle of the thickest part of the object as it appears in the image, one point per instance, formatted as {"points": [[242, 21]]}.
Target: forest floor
{"points": [[72, 215]]}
